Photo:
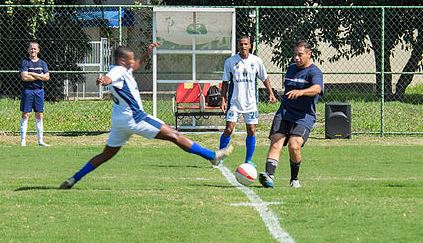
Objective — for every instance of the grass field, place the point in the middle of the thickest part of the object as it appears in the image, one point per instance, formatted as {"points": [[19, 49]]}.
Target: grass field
{"points": [[91, 115], [366, 189]]}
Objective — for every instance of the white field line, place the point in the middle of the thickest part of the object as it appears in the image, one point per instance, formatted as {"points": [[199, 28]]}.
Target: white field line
{"points": [[250, 204], [269, 217]]}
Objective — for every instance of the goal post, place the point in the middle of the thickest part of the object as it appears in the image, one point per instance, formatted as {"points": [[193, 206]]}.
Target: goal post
{"points": [[194, 45]]}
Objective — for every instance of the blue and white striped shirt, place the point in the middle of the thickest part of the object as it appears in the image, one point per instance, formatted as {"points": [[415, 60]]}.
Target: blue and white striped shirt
{"points": [[126, 96]]}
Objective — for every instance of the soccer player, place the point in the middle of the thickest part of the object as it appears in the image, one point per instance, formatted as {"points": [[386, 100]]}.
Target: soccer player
{"points": [[240, 77], [33, 72], [296, 115], [128, 116]]}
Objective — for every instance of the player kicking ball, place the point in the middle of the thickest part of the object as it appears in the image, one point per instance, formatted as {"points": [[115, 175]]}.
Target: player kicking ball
{"points": [[296, 115], [129, 117]]}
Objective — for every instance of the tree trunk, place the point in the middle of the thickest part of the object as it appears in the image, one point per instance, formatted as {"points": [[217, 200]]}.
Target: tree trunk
{"points": [[411, 66], [378, 62]]}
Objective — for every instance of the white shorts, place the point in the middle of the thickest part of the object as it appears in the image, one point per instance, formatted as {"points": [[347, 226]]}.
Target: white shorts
{"points": [[122, 130], [249, 117]]}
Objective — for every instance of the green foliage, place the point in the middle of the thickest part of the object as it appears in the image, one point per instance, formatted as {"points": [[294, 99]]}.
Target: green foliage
{"points": [[61, 37], [350, 31]]}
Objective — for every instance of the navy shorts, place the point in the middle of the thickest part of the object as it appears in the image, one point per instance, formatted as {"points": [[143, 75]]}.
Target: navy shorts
{"points": [[288, 128], [32, 99]]}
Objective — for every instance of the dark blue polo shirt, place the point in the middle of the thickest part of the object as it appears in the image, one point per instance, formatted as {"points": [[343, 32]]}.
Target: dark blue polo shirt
{"points": [[303, 109], [39, 66]]}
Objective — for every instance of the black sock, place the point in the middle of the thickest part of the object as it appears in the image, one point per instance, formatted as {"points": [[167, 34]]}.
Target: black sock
{"points": [[295, 167], [271, 165]]}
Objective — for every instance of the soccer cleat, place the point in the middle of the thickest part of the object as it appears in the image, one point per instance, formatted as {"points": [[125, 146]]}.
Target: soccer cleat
{"points": [[41, 143], [219, 163], [23, 143], [266, 180], [251, 162], [221, 154], [295, 183], [68, 184]]}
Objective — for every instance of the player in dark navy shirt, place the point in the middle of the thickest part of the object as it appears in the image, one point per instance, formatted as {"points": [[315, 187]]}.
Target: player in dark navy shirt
{"points": [[34, 72], [296, 115]]}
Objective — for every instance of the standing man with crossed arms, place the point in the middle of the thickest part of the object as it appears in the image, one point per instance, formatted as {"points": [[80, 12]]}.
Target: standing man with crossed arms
{"points": [[240, 85], [34, 72]]}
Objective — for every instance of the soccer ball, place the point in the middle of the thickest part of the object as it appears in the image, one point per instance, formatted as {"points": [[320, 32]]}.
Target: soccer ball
{"points": [[246, 174]]}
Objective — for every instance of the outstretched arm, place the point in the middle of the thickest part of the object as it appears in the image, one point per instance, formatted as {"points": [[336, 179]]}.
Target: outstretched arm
{"points": [[145, 56], [103, 80]]}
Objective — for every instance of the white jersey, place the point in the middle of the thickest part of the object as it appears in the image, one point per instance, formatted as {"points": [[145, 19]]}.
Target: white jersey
{"points": [[126, 96], [242, 75]]}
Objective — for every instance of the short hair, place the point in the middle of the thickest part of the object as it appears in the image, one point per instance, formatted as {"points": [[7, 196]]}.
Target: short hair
{"points": [[34, 42], [122, 52], [244, 37], [303, 43]]}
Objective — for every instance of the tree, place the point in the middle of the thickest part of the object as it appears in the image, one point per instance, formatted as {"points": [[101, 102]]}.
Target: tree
{"points": [[351, 32], [357, 31], [61, 38]]}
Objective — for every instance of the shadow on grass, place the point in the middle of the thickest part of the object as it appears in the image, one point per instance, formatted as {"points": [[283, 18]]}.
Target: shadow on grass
{"points": [[214, 185], [230, 186], [30, 188], [395, 185], [177, 166]]}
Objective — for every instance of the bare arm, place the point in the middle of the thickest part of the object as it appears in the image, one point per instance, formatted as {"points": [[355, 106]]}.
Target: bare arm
{"points": [[103, 80], [272, 98], [26, 76], [31, 76], [41, 76], [311, 91], [223, 95], [145, 56]]}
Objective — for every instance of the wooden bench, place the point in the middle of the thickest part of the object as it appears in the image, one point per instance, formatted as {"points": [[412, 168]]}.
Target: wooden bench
{"points": [[190, 101]]}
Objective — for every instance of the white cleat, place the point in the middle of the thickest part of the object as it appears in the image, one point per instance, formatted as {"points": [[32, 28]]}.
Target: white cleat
{"points": [[23, 143], [41, 143], [221, 154], [295, 184]]}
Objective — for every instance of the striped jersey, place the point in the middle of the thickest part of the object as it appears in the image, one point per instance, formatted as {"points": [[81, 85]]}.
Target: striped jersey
{"points": [[242, 76], [126, 96]]}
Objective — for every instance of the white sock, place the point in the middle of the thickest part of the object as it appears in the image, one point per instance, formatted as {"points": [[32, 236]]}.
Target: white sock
{"points": [[39, 127], [24, 127]]}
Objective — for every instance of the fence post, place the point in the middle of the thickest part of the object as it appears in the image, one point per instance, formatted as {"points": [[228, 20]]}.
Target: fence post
{"points": [[257, 40], [154, 63], [382, 102], [101, 69], [120, 26]]}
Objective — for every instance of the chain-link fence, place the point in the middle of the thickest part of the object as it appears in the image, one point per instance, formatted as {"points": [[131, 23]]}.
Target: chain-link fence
{"points": [[371, 58]]}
